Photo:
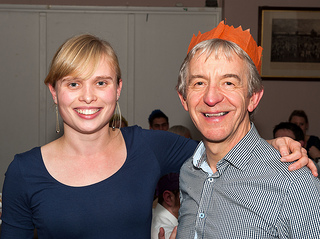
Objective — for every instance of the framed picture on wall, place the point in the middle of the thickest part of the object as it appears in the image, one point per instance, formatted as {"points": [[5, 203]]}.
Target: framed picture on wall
{"points": [[290, 38]]}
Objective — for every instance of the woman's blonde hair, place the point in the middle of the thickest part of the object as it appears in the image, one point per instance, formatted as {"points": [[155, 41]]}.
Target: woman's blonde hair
{"points": [[80, 55]]}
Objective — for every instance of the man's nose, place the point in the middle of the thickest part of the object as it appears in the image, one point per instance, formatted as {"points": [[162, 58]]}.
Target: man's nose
{"points": [[213, 95]]}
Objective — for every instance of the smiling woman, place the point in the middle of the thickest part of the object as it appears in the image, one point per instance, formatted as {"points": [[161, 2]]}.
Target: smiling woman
{"points": [[85, 82], [92, 98]]}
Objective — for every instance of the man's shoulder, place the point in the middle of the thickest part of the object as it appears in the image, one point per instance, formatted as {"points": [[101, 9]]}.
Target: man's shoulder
{"points": [[189, 171], [270, 158], [188, 163]]}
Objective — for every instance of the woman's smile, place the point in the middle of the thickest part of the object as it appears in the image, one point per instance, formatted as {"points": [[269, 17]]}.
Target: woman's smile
{"points": [[87, 111]]}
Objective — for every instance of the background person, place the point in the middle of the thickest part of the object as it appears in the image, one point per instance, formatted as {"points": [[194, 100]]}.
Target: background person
{"points": [[158, 120], [166, 212], [287, 129], [311, 142], [181, 130]]}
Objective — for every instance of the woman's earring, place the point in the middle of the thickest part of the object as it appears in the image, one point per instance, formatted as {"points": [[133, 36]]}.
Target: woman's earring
{"points": [[57, 120], [117, 117]]}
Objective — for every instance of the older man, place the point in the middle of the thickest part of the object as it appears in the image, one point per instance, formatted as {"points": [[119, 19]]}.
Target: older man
{"points": [[235, 186]]}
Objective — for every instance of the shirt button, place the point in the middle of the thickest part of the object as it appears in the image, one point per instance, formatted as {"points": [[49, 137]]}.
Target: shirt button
{"points": [[210, 180], [201, 215]]}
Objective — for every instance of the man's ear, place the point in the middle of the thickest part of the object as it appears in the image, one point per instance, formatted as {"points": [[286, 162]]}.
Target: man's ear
{"points": [[53, 93], [183, 102], [168, 198], [254, 100]]}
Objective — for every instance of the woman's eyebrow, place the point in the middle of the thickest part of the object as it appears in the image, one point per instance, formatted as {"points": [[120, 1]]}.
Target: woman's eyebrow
{"points": [[103, 77], [68, 78]]}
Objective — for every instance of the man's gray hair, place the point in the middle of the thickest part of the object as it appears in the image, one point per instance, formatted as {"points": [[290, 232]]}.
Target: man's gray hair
{"points": [[218, 46]]}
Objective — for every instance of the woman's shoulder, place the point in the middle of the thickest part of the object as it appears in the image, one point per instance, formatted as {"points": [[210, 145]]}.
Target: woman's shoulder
{"points": [[137, 131], [25, 161], [137, 134], [30, 154], [130, 129]]}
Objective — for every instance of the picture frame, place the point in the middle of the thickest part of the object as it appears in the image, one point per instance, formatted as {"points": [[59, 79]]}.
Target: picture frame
{"points": [[290, 38]]}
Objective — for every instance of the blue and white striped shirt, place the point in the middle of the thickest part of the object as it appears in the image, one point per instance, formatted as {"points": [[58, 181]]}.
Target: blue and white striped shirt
{"points": [[252, 195]]}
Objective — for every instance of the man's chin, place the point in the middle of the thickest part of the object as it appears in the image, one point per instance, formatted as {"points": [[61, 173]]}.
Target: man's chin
{"points": [[214, 137]]}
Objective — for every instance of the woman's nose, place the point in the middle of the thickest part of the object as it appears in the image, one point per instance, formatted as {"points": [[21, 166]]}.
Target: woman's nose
{"points": [[87, 95]]}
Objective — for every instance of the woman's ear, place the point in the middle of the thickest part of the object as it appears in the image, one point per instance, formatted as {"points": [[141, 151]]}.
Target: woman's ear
{"points": [[119, 89], [53, 93]]}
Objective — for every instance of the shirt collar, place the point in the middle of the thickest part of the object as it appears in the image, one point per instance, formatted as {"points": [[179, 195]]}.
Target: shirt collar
{"points": [[238, 156], [200, 158]]}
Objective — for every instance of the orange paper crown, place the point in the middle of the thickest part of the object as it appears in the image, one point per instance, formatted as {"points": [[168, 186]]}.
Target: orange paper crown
{"points": [[236, 35]]}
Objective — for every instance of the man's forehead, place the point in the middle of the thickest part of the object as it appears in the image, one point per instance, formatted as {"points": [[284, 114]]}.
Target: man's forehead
{"points": [[218, 54], [197, 63]]}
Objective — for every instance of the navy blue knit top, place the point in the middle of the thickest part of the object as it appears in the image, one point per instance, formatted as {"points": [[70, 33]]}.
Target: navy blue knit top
{"points": [[117, 207]]}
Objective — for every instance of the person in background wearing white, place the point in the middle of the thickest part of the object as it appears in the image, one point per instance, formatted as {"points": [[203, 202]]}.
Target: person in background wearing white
{"points": [[166, 211]]}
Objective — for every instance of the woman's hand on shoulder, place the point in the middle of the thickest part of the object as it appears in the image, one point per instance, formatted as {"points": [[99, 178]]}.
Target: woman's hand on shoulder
{"points": [[292, 150]]}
